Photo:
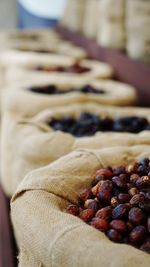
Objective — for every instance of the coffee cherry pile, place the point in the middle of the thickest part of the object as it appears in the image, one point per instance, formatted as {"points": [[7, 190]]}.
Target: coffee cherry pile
{"points": [[118, 203], [76, 68], [87, 124], [54, 90]]}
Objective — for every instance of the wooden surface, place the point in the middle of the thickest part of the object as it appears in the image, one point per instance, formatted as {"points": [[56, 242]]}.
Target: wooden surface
{"points": [[7, 247]]}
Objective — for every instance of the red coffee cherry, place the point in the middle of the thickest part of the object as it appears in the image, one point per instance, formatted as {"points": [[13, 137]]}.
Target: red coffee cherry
{"points": [[104, 213], [87, 215], [72, 209], [119, 225], [100, 224]]}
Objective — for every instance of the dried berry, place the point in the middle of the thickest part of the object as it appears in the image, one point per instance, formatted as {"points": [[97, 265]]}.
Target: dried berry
{"points": [[144, 161], [97, 179], [133, 178], [138, 234], [136, 216], [120, 211], [104, 213], [119, 181], [95, 189], [119, 225], [105, 185], [92, 204], [143, 182], [86, 215], [72, 209], [119, 170], [84, 195], [146, 246], [100, 224], [104, 196], [130, 226], [114, 235], [123, 198], [131, 168], [114, 201], [142, 170], [106, 172], [136, 199], [119, 203], [133, 191]]}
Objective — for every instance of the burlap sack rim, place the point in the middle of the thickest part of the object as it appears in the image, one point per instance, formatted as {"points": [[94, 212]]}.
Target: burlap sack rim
{"points": [[18, 99], [38, 143], [128, 153], [80, 224]]}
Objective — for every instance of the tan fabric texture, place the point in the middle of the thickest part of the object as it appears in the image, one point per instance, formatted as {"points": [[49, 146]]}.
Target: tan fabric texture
{"points": [[138, 24], [73, 15], [111, 32], [19, 66], [29, 144], [21, 101], [30, 39], [91, 18], [47, 235]]}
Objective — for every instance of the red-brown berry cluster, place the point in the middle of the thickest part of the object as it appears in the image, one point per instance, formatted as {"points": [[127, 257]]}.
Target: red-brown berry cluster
{"points": [[118, 203]]}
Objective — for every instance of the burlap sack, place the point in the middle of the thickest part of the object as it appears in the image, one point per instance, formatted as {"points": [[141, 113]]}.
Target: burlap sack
{"points": [[47, 236], [68, 49], [91, 18], [29, 39], [73, 15], [19, 66], [138, 25], [23, 102], [111, 31], [29, 144]]}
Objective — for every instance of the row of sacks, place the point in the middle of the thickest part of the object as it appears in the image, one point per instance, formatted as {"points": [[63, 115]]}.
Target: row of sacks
{"points": [[120, 24], [74, 71], [51, 107], [40, 41]]}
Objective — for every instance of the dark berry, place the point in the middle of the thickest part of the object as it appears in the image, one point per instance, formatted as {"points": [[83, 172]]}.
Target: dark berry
{"points": [[138, 234], [123, 198], [120, 211], [114, 236], [136, 216]]}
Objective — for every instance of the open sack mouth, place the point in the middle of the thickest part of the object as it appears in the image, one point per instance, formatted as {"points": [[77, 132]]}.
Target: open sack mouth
{"points": [[88, 124], [27, 49], [74, 68], [118, 203], [54, 90]]}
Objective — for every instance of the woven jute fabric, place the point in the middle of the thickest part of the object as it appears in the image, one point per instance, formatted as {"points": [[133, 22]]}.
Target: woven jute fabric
{"points": [[22, 65], [28, 39], [111, 31], [47, 236], [73, 15], [30, 143], [91, 18], [20, 100], [138, 25]]}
